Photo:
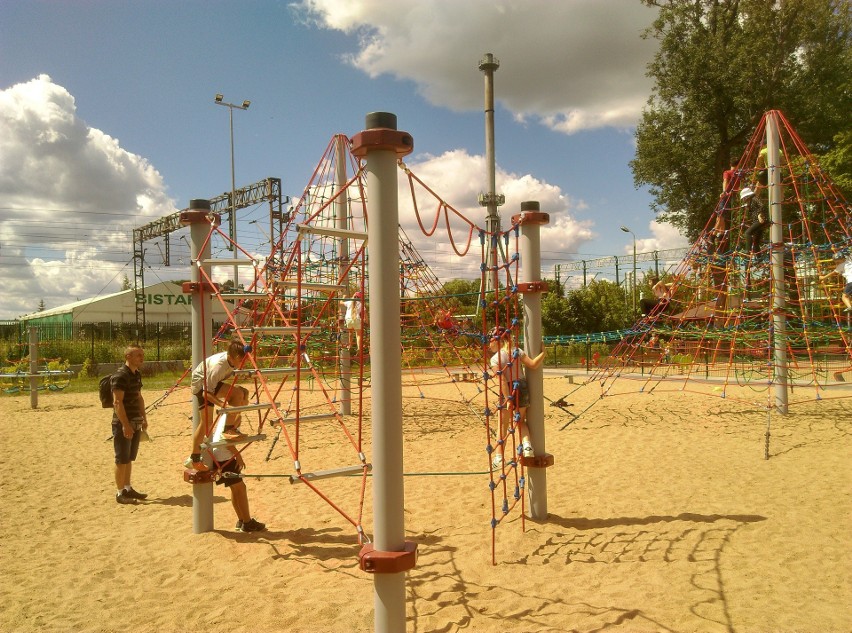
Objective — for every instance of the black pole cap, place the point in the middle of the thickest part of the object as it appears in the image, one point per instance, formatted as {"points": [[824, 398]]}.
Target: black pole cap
{"points": [[375, 120]]}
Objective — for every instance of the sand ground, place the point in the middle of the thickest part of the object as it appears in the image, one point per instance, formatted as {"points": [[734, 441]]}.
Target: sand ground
{"points": [[663, 516]]}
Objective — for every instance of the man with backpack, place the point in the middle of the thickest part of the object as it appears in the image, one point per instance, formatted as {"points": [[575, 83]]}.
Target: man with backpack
{"points": [[128, 421]]}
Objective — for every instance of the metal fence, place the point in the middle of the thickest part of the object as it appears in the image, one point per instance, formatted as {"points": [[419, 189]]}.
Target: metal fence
{"points": [[100, 342]]}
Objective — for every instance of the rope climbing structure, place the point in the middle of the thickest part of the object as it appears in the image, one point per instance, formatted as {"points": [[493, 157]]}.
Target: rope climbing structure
{"points": [[303, 312], [755, 311]]}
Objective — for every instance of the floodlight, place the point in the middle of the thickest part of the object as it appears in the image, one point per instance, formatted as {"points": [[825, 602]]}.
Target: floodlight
{"points": [[219, 98]]}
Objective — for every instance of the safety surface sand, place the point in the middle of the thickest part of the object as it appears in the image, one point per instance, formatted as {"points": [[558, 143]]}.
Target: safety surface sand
{"points": [[664, 516]]}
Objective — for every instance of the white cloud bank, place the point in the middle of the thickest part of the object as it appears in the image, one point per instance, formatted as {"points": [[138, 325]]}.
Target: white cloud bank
{"points": [[456, 177], [70, 197], [569, 65]]}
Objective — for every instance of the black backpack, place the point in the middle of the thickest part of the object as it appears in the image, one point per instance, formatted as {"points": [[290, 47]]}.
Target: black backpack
{"points": [[105, 392]]}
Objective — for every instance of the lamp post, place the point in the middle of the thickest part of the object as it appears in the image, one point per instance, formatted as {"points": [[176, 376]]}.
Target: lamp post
{"points": [[232, 221], [633, 289]]}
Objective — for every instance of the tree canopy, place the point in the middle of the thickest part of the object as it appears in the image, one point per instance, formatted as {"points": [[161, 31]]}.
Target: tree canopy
{"points": [[600, 306], [720, 66]]}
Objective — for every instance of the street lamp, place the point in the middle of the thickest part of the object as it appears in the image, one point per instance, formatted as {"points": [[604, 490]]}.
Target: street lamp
{"points": [[232, 223], [633, 291]]}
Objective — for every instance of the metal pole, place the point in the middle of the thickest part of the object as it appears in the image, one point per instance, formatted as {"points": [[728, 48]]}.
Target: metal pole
{"points": [[531, 221], [33, 368], [379, 145], [198, 218], [633, 285], [776, 237], [634, 274], [341, 205], [491, 200], [232, 220]]}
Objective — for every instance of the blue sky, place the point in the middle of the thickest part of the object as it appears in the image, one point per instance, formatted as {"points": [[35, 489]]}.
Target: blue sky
{"points": [[107, 118]]}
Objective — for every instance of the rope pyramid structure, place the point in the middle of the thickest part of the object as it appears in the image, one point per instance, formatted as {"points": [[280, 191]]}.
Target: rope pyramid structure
{"points": [[301, 314], [754, 307]]}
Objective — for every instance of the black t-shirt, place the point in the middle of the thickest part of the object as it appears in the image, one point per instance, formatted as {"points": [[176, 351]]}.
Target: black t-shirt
{"points": [[130, 382]]}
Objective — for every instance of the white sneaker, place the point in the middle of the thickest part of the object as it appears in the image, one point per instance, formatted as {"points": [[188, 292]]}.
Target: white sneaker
{"points": [[497, 461], [528, 450]]}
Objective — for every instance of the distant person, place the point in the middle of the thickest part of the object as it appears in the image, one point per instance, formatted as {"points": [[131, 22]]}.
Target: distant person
{"points": [[843, 267], [719, 233], [446, 322], [353, 317], [129, 420], [730, 179], [755, 233], [210, 389], [231, 461], [506, 363], [662, 296]]}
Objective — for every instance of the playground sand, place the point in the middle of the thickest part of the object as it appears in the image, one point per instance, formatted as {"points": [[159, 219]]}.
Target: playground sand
{"points": [[664, 516]]}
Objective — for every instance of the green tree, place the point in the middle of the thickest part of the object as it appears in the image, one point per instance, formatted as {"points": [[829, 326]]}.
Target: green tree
{"points": [[837, 162], [555, 314], [720, 66], [601, 306], [125, 283], [463, 294]]}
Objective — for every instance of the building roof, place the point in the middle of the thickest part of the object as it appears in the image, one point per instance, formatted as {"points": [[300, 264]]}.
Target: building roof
{"points": [[69, 307]]}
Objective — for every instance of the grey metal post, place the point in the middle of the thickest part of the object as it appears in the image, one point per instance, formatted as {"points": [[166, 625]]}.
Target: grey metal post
{"points": [[776, 237], [634, 276], [232, 219], [34, 368], [341, 206], [633, 285], [199, 220], [529, 247], [380, 144], [490, 200]]}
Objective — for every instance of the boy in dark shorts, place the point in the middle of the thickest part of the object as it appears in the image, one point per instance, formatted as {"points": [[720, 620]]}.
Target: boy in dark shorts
{"points": [[231, 461]]}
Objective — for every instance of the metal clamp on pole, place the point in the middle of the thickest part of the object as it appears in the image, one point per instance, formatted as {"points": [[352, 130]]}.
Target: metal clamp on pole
{"points": [[189, 287], [374, 561], [192, 476], [382, 138], [544, 460], [528, 287], [530, 217]]}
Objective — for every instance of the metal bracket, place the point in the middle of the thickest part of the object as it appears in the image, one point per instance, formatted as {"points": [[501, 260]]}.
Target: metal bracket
{"points": [[374, 561]]}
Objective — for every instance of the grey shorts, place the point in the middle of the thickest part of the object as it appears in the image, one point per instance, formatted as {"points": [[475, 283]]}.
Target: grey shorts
{"points": [[521, 394]]}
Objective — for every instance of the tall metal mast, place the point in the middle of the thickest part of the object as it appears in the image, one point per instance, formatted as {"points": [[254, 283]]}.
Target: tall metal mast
{"points": [[491, 200]]}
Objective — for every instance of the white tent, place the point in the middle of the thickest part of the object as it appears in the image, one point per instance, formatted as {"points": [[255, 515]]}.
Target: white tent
{"points": [[164, 303]]}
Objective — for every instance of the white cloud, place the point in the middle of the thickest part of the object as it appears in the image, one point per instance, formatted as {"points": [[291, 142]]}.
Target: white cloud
{"points": [[70, 197], [665, 237], [456, 176], [570, 64]]}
